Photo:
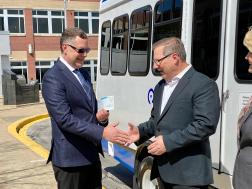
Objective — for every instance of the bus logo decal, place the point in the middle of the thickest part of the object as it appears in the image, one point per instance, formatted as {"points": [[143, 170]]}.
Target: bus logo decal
{"points": [[150, 96]]}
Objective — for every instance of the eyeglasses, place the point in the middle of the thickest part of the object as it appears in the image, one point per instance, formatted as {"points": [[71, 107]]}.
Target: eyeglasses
{"points": [[158, 61], [82, 50]]}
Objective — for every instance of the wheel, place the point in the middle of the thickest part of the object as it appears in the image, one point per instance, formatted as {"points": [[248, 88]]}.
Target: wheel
{"points": [[144, 171]]}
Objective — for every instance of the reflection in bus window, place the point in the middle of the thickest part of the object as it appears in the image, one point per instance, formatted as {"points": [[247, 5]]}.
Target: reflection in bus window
{"points": [[140, 41], [206, 37], [119, 45], [168, 20], [244, 22], [105, 47]]}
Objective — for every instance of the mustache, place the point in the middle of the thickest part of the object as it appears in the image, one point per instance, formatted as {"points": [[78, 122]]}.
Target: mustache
{"points": [[156, 71]]}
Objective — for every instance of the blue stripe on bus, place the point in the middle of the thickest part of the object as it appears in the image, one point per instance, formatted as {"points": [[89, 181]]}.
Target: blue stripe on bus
{"points": [[124, 156]]}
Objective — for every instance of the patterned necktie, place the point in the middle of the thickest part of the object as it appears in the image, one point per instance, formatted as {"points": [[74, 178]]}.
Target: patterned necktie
{"points": [[84, 83]]}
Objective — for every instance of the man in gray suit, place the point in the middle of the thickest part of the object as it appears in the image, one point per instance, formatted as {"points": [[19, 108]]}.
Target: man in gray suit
{"points": [[185, 113]]}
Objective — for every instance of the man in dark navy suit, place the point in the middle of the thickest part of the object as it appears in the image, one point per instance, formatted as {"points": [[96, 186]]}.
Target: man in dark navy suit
{"points": [[77, 125]]}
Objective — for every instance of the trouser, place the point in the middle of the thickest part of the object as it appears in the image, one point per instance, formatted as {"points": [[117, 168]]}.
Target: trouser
{"points": [[83, 177]]}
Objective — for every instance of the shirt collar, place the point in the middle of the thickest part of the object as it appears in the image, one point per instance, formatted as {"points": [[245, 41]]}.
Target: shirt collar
{"points": [[179, 76], [66, 64]]}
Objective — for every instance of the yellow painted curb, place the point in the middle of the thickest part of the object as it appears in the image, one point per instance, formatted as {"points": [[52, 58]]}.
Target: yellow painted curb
{"points": [[19, 129]]}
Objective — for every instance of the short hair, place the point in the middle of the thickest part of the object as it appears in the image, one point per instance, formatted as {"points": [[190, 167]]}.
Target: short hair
{"points": [[69, 35], [171, 45], [247, 41]]}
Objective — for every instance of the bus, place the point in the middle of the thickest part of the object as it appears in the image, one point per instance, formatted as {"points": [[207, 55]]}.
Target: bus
{"points": [[212, 32]]}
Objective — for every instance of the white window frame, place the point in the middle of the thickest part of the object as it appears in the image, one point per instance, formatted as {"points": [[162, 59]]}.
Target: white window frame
{"points": [[21, 67], [49, 17], [92, 65], [42, 66], [90, 18], [5, 16]]}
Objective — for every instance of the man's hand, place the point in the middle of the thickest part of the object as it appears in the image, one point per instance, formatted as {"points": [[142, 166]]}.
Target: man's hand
{"points": [[133, 133], [102, 115], [115, 135], [157, 147]]}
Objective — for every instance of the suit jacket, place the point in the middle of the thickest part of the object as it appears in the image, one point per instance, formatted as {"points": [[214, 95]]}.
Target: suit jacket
{"points": [[243, 164], [76, 134], [190, 116]]}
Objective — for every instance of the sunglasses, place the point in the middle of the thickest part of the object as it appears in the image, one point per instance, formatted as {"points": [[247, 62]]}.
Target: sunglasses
{"points": [[82, 50]]}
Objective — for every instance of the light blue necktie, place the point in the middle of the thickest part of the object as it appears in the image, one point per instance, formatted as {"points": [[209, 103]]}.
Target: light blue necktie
{"points": [[84, 83]]}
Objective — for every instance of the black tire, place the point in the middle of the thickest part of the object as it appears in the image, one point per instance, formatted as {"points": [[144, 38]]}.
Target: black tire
{"points": [[144, 171]]}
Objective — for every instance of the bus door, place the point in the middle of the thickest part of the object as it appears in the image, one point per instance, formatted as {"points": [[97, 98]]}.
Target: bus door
{"points": [[207, 51], [237, 81]]}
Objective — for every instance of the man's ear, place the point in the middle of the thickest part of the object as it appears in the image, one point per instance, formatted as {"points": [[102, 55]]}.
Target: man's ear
{"points": [[175, 57], [63, 48]]}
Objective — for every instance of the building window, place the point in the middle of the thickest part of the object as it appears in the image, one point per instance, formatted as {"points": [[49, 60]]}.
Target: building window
{"points": [[19, 68], [95, 22], [12, 20], [87, 21], [40, 21], [1, 20], [41, 68], [50, 22], [91, 67], [58, 21], [140, 35], [1, 23]]}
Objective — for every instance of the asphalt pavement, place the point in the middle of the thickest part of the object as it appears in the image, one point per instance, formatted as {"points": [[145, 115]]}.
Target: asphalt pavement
{"points": [[25, 146]]}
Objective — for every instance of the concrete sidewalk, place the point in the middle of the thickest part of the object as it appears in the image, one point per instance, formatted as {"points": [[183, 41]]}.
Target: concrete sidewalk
{"points": [[21, 168]]}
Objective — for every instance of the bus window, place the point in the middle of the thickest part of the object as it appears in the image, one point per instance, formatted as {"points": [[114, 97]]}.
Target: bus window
{"points": [[105, 47], [244, 22], [140, 26], [119, 45], [206, 37], [168, 20]]}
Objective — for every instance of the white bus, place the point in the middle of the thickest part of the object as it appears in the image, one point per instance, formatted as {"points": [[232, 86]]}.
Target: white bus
{"points": [[212, 32]]}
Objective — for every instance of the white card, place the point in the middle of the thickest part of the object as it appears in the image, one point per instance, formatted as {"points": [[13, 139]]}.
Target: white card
{"points": [[111, 149], [106, 102]]}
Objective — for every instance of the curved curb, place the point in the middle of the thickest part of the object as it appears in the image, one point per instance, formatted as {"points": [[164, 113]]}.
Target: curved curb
{"points": [[19, 129]]}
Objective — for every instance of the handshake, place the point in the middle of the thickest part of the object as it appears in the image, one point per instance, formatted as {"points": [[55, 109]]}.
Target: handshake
{"points": [[115, 135]]}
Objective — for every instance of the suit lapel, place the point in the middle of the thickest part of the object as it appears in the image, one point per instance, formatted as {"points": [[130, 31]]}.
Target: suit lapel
{"points": [[67, 73], [159, 96], [178, 90]]}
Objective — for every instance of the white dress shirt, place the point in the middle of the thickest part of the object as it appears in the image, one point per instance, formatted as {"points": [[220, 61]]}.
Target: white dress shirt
{"points": [[70, 68], [170, 86]]}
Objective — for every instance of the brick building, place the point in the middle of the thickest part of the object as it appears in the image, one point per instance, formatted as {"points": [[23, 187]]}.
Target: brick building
{"points": [[35, 28]]}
